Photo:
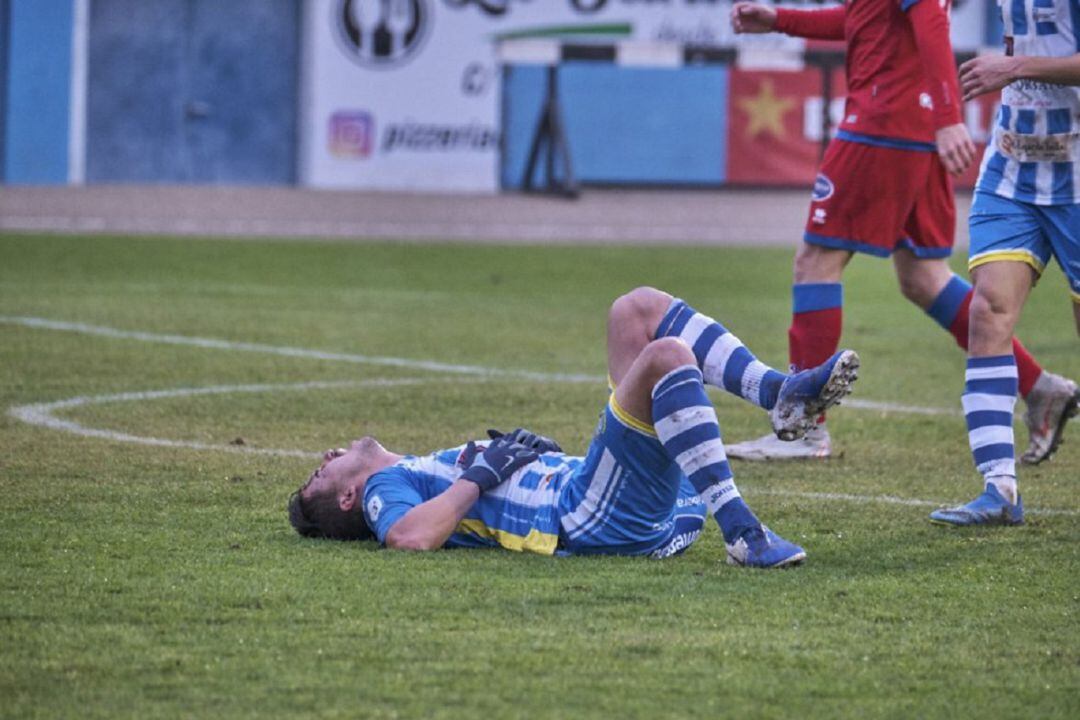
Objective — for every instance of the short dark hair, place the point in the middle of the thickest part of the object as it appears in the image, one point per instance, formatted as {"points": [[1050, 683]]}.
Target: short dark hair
{"points": [[321, 516]]}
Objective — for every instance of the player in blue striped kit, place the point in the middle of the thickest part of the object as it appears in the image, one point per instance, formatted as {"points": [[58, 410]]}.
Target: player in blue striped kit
{"points": [[655, 468], [1026, 209]]}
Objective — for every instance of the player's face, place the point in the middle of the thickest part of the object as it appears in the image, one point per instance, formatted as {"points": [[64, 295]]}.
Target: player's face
{"points": [[342, 468]]}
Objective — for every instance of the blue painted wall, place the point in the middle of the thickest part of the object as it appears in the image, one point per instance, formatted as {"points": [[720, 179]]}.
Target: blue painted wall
{"points": [[193, 91], [5, 28], [37, 102], [624, 125]]}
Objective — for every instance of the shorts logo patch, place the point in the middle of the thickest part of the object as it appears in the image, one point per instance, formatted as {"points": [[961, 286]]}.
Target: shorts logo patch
{"points": [[823, 188], [819, 216], [374, 507]]}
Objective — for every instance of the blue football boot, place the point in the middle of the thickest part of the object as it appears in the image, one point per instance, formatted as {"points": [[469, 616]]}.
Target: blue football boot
{"points": [[990, 508], [762, 548], [805, 395]]}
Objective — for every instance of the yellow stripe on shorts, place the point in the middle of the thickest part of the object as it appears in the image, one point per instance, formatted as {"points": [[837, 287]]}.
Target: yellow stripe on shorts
{"points": [[1022, 256], [629, 420]]}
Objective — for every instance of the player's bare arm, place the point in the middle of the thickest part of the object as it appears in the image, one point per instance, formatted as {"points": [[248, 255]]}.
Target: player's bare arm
{"points": [[988, 73], [428, 525]]}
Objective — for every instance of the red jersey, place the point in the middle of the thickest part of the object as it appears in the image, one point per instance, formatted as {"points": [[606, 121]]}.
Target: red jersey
{"points": [[901, 75]]}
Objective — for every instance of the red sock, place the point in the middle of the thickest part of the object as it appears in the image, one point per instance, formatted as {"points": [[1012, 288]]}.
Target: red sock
{"points": [[814, 336], [1026, 366]]}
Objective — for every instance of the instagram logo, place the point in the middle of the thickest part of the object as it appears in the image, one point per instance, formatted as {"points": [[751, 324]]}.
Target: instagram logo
{"points": [[351, 134]]}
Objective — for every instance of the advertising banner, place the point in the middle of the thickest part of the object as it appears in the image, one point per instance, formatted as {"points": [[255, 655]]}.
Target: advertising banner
{"points": [[775, 126], [405, 94]]}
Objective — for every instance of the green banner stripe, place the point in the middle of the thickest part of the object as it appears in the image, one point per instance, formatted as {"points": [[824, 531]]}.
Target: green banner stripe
{"points": [[608, 29]]}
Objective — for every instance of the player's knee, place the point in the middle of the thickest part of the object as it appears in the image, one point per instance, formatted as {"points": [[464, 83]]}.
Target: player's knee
{"points": [[666, 354], [916, 289], [986, 301], [990, 312], [641, 306], [817, 264]]}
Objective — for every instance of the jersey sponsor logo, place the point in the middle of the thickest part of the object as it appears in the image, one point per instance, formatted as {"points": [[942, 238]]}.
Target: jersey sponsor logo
{"points": [[687, 529], [1039, 148], [823, 188], [1037, 86], [374, 507], [1044, 14]]}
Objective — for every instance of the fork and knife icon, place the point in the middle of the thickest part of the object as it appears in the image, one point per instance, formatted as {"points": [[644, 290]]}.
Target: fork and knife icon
{"points": [[382, 28]]}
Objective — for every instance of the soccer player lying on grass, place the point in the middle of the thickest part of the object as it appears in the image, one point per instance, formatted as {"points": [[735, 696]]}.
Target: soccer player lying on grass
{"points": [[654, 468]]}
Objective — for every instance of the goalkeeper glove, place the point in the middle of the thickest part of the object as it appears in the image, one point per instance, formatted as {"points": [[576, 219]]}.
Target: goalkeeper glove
{"points": [[501, 459], [529, 439]]}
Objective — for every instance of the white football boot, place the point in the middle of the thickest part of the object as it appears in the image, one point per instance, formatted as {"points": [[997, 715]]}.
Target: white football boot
{"points": [[1051, 402], [815, 445]]}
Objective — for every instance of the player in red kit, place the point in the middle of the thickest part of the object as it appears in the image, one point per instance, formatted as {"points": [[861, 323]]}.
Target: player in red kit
{"points": [[884, 189]]}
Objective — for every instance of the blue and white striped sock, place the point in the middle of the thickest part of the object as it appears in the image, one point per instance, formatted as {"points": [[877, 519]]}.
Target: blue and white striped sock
{"points": [[990, 389], [686, 424], [722, 358]]}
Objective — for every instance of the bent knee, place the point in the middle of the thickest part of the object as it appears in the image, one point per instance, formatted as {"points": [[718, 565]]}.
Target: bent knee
{"points": [[645, 305], [667, 353]]}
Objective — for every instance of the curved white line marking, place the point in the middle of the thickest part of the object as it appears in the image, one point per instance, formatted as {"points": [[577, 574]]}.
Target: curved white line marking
{"points": [[474, 370], [43, 414]]}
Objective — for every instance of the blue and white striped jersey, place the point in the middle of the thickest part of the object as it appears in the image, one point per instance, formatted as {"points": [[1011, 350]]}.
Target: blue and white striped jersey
{"points": [[521, 514], [1034, 153], [526, 512]]}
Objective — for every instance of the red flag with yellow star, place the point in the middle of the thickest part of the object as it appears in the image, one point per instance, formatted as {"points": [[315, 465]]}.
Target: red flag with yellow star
{"points": [[774, 126]]}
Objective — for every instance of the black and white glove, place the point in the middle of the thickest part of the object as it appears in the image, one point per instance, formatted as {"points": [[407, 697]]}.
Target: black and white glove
{"points": [[496, 463], [529, 439]]}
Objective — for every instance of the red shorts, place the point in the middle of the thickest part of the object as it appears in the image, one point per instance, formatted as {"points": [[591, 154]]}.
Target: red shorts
{"points": [[876, 199]]}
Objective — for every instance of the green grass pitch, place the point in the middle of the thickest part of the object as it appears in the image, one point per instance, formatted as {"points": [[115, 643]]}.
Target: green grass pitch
{"points": [[152, 581]]}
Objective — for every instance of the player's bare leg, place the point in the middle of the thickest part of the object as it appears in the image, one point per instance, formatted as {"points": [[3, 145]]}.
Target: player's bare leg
{"points": [[817, 264], [1001, 289], [632, 322], [921, 280], [664, 393], [793, 401], [930, 284]]}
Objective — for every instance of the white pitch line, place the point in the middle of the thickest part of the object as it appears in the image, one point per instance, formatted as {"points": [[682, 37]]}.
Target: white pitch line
{"points": [[216, 344], [44, 415], [883, 499], [474, 370]]}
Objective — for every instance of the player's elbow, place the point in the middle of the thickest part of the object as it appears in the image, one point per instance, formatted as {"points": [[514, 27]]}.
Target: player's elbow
{"points": [[405, 539]]}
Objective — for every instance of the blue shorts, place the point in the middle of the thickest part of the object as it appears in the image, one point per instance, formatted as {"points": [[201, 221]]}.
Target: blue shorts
{"points": [[628, 498], [1006, 229]]}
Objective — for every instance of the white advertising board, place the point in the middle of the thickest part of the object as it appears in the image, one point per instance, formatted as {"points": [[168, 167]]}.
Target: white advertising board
{"points": [[404, 94]]}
